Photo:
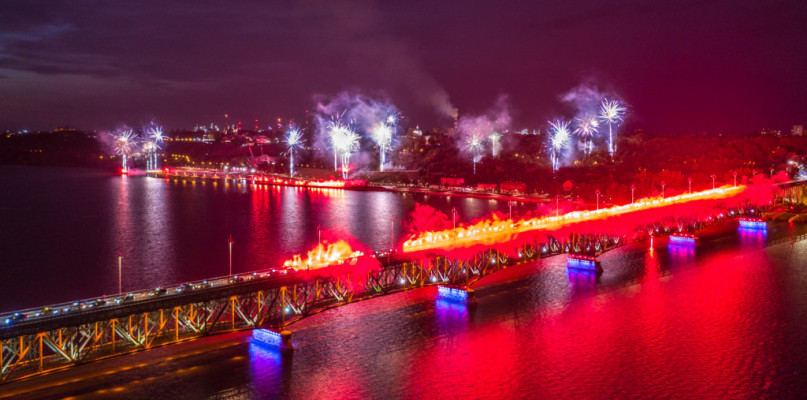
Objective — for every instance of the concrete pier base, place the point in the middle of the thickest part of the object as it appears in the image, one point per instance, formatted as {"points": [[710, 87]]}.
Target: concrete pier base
{"points": [[285, 337]]}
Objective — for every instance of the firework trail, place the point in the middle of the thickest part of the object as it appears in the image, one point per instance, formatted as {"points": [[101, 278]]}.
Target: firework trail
{"points": [[294, 140], [612, 112], [586, 127], [336, 130], [344, 141], [149, 149], [156, 138], [382, 135], [495, 143], [558, 140], [380, 120], [124, 143], [474, 145]]}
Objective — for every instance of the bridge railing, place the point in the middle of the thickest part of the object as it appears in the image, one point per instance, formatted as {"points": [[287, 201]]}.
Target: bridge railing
{"points": [[10, 319]]}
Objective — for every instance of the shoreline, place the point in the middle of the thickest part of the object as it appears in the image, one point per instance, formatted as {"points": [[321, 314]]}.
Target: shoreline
{"points": [[280, 180]]}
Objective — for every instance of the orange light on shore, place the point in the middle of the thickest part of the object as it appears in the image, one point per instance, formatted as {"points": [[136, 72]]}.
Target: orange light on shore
{"points": [[499, 231], [325, 255]]}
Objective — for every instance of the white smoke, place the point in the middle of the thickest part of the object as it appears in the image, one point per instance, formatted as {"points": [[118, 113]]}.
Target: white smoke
{"points": [[361, 113], [496, 119], [586, 99]]}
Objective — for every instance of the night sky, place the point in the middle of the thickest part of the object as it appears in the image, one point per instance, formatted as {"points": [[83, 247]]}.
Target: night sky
{"points": [[681, 66]]}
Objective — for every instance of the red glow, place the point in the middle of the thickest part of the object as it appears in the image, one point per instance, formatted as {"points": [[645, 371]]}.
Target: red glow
{"points": [[498, 231], [325, 255]]}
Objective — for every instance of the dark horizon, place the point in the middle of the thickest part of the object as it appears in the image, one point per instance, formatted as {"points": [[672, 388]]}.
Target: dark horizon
{"points": [[732, 67]]}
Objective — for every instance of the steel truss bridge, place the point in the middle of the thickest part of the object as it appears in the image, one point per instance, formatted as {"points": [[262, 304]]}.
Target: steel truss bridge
{"points": [[86, 331]]}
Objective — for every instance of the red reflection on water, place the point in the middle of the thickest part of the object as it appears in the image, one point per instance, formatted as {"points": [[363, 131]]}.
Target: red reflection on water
{"points": [[481, 363], [753, 236], [690, 338], [123, 233]]}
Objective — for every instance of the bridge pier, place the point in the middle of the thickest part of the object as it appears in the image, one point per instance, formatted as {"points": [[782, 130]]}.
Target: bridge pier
{"points": [[457, 294], [684, 239], [753, 223], [280, 340], [582, 262]]}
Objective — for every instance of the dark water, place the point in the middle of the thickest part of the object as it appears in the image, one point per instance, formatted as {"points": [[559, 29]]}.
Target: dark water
{"points": [[61, 230], [725, 320]]}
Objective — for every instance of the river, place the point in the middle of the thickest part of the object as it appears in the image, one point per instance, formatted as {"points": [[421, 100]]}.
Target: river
{"points": [[727, 319], [63, 229]]}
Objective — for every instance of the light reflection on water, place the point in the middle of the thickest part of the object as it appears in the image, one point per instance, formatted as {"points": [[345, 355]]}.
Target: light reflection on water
{"points": [[722, 320], [171, 231]]}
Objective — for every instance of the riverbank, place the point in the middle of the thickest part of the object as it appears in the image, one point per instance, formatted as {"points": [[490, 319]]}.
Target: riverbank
{"points": [[793, 213], [786, 217]]}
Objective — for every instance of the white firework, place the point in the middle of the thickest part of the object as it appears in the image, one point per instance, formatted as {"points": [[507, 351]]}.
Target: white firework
{"points": [[558, 140], [612, 112], [587, 128], [294, 140]]}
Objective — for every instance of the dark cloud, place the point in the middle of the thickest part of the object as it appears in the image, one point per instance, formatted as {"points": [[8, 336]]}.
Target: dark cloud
{"points": [[680, 64]]}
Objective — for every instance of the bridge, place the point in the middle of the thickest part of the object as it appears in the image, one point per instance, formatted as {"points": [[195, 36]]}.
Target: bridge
{"points": [[40, 340]]}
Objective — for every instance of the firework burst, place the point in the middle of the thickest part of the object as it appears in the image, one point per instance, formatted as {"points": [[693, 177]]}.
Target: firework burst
{"points": [[336, 130], [586, 127], [473, 144], [382, 135], [124, 143], [344, 142], [612, 112], [558, 140], [156, 134]]}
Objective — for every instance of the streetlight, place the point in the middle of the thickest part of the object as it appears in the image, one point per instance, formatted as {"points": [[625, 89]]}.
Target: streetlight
{"points": [[230, 242], [713, 180], [632, 190], [120, 272], [391, 236], [690, 184], [662, 188], [454, 221], [735, 178], [598, 198], [510, 203], [772, 172]]}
